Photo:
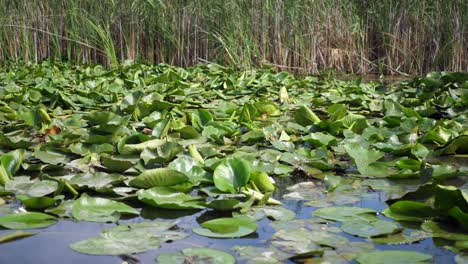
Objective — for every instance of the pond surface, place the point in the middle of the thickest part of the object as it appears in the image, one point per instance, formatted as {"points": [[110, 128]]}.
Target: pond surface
{"points": [[52, 244], [161, 160]]}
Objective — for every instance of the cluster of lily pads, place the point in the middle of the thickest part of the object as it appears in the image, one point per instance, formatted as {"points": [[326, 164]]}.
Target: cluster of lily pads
{"points": [[94, 144]]}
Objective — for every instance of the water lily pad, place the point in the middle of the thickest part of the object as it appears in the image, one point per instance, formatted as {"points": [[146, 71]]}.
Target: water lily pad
{"points": [[262, 181], [15, 236], [51, 156], [369, 229], [320, 237], [298, 249], [409, 211], [277, 213], [197, 255], [258, 255], [439, 230], [320, 139], [191, 168], [455, 146], [64, 209], [32, 188], [96, 209], [119, 163], [345, 213], [366, 160], [393, 256], [226, 228], [129, 239], [169, 198], [38, 203], [447, 197], [305, 117], [27, 220], [9, 164], [95, 180], [158, 177], [401, 238], [231, 174]]}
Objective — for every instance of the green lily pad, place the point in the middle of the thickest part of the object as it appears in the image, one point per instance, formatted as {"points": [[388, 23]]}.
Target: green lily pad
{"points": [[409, 211], [51, 156], [277, 213], [259, 255], [226, 228], [158, 177], [320, 237], [455, 146], [197, 255], [401, 238], [33, 188], [393, 256], [436, 229], [262, 181], [64, 209], [96, 209], [320, 139], [305, 117], [27, 220], [129, 239], [38, 203], [168, 198], [298, 249], [447, 197], [345, 213], [15, 236], [366, 160], [96, 180], [118, 163], [369, 229], [231, 175], [9, 164]]}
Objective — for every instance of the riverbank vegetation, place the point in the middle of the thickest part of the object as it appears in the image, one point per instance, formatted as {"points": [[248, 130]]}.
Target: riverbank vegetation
{"points": [[310, 36]]}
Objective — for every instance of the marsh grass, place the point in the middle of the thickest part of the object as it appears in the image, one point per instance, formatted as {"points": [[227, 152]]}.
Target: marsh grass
{"points": [[360, 36]]}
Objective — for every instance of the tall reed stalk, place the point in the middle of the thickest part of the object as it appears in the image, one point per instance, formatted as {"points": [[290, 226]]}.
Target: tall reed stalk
{"points": [[360, 36]]}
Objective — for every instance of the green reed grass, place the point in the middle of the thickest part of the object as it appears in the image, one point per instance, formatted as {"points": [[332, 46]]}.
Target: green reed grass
{"points": [[360, 36]]}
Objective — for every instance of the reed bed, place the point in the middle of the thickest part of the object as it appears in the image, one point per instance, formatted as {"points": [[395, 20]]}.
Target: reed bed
{"points": [[357, 36]]}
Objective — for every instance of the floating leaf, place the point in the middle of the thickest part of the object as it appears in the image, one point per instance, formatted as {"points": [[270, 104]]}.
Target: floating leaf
{"points": [[439, 230], [320, 139], [393, 256], [369, 228], [166, 197], [458, 145], [231, 175], [118, 163], [197, 255], [262, 181], [27, 220], [129, 239], [15, 236], [409, 211], [158, 177], [226, 228], [38, 203], [345, 213], [9, 164], [95, 180], [305, 117], [365, 160], [276, 213], [96, 209], [401, 238], [447, 197]]}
